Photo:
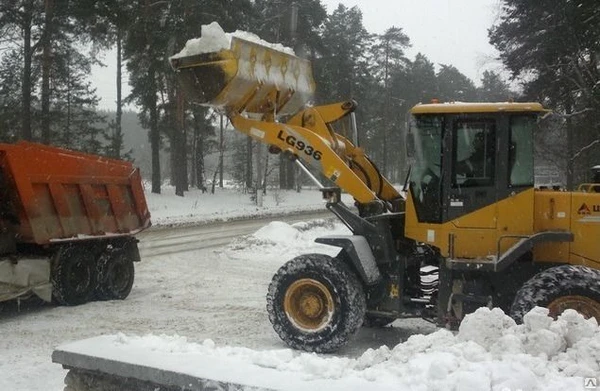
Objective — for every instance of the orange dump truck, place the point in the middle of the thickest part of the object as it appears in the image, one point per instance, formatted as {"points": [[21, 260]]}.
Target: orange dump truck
{"points": [[67, 221]]}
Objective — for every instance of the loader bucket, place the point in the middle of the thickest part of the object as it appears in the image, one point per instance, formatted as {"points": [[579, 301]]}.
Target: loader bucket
{"points": [[248, 77]]}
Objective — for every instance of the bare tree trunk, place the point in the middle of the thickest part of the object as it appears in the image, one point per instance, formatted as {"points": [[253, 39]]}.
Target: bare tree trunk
{"points": [[282, 171], [26, 133], [152, 105], [199, 151], [570, 144], [118, 135], [214, 181], [221, 152], [46, 65], [154, 135], [177, 148], [194, 157], [248, 162], [259, 175], [297, 174], [266, 174], [386, 111], [291, 174]]}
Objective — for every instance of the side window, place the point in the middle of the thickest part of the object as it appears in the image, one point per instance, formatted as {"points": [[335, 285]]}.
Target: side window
{"points": [[521, 151], [474, 153]]}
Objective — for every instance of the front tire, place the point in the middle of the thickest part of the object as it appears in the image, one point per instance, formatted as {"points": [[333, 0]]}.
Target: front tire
{"points": [[315, 303], [74, 276], [560, 288]]}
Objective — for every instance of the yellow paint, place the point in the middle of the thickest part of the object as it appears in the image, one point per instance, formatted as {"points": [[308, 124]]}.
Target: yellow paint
{"points": [[520, 215], [585, 225], [463, 107], [552, 212], [478, 234]]}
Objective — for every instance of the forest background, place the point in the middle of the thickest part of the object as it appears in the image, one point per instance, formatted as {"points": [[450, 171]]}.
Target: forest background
{"points": [[550, 50]]}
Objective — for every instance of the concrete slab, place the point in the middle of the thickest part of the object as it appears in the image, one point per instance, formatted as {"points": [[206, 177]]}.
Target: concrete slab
{"points": [[97, 361]]}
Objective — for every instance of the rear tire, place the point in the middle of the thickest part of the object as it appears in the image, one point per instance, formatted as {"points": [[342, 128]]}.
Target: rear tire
{"points": [[116, 274], [74, 276], [560, 288], [315, 303]]}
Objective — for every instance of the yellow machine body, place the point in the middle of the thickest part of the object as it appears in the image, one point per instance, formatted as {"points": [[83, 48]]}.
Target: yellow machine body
{"points": [[490, 236], [491, 231]]}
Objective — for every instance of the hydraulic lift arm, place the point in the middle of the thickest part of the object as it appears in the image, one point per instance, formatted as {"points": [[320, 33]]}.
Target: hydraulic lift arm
{"points": [[264, 93]]}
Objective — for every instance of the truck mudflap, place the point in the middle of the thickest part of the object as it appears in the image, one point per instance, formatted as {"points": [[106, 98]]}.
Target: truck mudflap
{"points": [[358, 252]]}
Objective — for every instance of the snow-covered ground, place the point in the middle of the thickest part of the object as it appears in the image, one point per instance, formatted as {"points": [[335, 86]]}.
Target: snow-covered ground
{"points": [[209, 306], [226, 204]]}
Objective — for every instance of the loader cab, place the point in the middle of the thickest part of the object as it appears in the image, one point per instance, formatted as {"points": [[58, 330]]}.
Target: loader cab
{"points": [[467, 156]]}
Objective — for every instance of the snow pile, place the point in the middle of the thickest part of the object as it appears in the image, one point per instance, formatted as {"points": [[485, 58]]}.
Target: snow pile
{"points": [[490, 352], [214, 39], [277, 231], [278, 237]]}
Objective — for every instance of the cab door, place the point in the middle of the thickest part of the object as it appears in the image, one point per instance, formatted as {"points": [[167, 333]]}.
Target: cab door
{"points": [[470, 205], [472, 182], [491, 204]]}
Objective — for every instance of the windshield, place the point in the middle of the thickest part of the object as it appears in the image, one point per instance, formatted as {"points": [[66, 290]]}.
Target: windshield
{"points": [[426, 132]]}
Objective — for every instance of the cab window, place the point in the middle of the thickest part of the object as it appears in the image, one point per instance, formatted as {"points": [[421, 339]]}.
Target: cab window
{"points": [[521, 150], [474, 153]]}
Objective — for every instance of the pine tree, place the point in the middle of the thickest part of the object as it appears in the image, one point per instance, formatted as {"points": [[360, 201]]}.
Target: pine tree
{"points": [[419, 83], [108, 29], [493, 88], [388, 60], [20, 25], [74, 120], [554, 48], [342, 70], [296, 25], [159, 30], [454, 86], [10, 98], [42, 36]]}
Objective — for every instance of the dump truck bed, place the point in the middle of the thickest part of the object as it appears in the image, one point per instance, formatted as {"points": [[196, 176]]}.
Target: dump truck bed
{"points": [[52, 194]]}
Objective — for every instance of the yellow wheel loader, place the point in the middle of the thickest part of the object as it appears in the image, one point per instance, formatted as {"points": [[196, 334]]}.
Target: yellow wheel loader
{"points": [[468, 230]]}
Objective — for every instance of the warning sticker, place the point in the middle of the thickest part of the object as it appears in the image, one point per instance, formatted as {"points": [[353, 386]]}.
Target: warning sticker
{"points": [[584, 210]]}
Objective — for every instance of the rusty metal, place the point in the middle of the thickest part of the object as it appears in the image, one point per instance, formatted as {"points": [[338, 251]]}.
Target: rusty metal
{"points": [[584, 305], [309, 304]]}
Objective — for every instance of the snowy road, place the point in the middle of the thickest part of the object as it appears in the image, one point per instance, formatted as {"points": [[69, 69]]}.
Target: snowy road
{"points": [[158, 241], [215, 292]]}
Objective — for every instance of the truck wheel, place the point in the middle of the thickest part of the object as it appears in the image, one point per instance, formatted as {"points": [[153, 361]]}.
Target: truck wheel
{"points": [[560, 288], [315, 303], [74, 276], [116, 275]]}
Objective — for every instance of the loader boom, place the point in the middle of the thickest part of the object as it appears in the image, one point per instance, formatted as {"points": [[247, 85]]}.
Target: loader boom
{"points": [[264, 92]]}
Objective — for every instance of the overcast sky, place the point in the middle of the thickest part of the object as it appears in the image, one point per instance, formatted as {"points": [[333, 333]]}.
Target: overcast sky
{"points": [[446, 31]]}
